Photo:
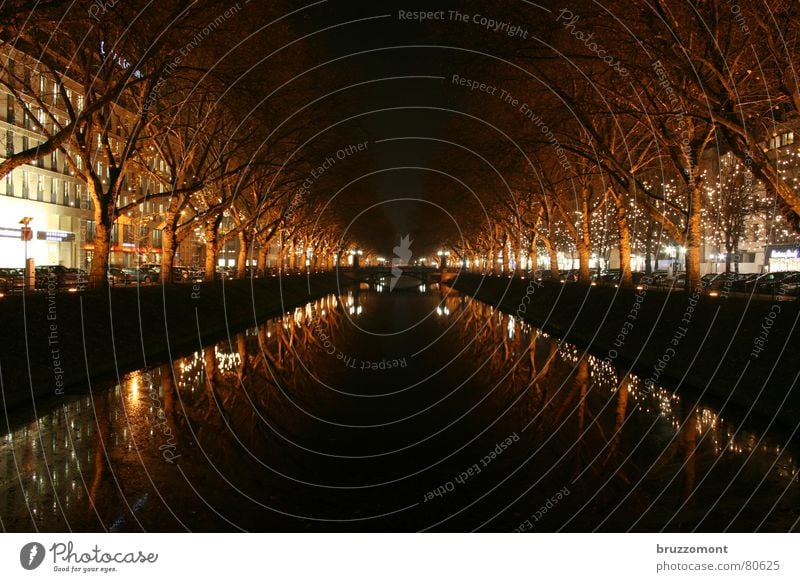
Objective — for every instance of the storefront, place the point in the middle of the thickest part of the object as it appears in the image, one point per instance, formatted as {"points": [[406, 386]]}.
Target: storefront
{"points": [[783, 257], [54, 237]]}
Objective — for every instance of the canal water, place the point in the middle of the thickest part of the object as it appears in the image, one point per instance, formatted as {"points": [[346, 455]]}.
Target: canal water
{"points": [[410, 410]]}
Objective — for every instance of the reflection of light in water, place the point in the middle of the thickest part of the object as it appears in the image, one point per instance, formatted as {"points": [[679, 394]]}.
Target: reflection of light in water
{"points": [[136, 397], [659, 401], [227, 361], [189, 370], [70, 427]]}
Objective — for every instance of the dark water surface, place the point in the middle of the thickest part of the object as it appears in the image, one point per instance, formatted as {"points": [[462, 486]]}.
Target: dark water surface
{"points": [[403, 411]]}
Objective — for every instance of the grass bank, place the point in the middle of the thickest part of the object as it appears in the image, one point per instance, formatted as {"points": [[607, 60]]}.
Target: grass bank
{"points": [[54, 344], [725, 349]]}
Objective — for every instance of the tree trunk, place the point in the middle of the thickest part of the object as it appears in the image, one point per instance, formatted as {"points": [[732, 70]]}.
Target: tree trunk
{"points": [[624, 232], [292, 257], [553, 253], [263, 251], [243, 254], [167, 251], [281, 251], [583, 263], [534, 255], [727, 257], [693, 238], [169, 240], [506, 255], [212, 249], [551, 249], [584, 241], [103, 217]]}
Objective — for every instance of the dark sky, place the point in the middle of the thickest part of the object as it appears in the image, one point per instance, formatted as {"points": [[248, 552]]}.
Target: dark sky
{"points": [[375, 47]]}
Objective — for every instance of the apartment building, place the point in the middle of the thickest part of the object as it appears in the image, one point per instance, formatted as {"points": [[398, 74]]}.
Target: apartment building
{"points": [[47, 191]]}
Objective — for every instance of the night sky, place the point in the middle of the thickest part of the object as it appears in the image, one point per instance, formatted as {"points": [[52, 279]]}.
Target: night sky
{"points": [[401, 71]]}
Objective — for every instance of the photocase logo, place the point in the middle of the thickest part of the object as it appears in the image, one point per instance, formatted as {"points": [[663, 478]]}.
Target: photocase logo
{"points": [[31, 555], [402, 256]]}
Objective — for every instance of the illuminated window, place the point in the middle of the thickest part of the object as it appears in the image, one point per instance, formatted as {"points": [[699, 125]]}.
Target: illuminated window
{"points": [[782, 140], [10, 109]]}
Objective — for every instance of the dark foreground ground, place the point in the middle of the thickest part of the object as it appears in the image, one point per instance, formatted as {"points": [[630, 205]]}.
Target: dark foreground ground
{"points": [[58, 343], [741, 354]]}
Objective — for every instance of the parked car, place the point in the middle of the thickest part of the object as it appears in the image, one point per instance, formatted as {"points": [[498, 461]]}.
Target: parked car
{"points": [[675, 281], [789, 286], [186, 275], [659, 277], [614, 276], [762, 283], [225, 273], [745, 284], [716, 283], [571, 276], [11, 280], [116, 276], [610, 276], [771, 282], [251, 273], [61, 277], [141, 275], [640, 277]]}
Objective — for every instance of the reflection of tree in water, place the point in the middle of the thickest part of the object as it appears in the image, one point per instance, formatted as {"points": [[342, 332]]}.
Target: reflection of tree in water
{"points": [[608, 437], [244, 397], [240, 407]]}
